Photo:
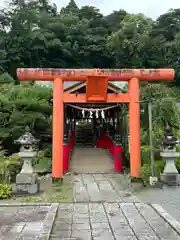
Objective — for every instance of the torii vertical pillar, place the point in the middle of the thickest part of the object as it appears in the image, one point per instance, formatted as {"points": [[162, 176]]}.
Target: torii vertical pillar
{"points": [[134, 127], [58, 129]]}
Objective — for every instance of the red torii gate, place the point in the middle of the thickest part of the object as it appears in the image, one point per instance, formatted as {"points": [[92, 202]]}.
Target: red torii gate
{"points": [[96, 91]]}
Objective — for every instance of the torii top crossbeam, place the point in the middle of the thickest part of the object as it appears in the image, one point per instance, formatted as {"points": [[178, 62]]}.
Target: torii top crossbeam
{"points": [[49, 74]]}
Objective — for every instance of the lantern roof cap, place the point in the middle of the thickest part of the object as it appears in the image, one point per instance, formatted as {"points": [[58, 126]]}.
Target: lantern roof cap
{"points": [[26, 139]]}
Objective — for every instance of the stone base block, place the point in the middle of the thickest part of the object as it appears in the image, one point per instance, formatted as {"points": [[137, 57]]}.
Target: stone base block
{"points": [[26, 178], [26, 188], [153, 181], [170, 179]]}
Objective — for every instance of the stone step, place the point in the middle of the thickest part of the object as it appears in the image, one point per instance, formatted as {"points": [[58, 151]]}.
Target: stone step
{"points": [[84, 138], [84, 135]]}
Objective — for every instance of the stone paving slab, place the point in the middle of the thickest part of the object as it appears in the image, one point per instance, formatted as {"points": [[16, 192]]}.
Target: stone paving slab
{"points": [[103, 208], [87, 221], [102, 188], [116, 221], [26, 221]]}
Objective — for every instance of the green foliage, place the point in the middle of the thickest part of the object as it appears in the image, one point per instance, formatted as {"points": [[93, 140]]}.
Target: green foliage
{"points": [[128, 42], [35, 34], [10, 166], [164, 110], [178, 164], [5, 191], [146, 171], [6, 78], [178, 159], [145, 154], [167, 25], [22, 106], [42, 163]]}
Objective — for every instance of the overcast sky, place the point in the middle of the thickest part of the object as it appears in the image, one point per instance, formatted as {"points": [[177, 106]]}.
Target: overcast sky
{"points": [[152, 8]]}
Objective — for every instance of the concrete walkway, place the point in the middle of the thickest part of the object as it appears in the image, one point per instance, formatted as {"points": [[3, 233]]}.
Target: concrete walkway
{"points": [[87, 221], [167, 197], [103, 208], [112, 221], [91, 160], [102, 188]]}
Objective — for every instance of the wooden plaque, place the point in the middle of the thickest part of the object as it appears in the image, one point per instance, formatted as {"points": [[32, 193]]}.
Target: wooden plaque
{"points": [[96, 88]]}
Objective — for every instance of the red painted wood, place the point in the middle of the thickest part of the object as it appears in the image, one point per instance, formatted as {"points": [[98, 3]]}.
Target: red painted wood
{"points": [[66, 153], [96, 89], [106, 143], [117, 154]]}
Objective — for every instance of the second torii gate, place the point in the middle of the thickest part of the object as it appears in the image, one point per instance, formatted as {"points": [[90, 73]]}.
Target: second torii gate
{"points": [[96, 91]]}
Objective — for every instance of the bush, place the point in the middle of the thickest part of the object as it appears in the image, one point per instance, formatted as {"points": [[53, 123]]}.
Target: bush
{"points": [[6, 78], [145, 154], [22, 106], [48, 151], [145, 171], [5, 191], [159, 167], [126, 157], [178, 164], [9, 167], [42, 163]]}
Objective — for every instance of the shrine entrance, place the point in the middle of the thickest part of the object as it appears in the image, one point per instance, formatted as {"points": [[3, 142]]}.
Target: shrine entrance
{"points": [[96, 92], [97, 138]]}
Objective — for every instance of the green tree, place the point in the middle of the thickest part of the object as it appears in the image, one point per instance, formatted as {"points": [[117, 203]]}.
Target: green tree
{"points": [[70, 8], [167, 25], [114, 20], [127, 43], [164, 110], [22, 106]]}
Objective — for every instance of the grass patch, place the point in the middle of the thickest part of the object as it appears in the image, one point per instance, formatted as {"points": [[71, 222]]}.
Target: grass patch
{"points": [[50, 193]]}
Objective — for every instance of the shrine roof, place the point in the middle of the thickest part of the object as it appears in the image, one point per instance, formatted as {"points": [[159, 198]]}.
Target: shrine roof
{"points": [[70, 85]]}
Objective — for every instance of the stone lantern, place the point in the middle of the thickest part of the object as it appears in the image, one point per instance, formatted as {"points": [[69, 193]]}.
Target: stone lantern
{"points": [[26, 180], [170, 174]]}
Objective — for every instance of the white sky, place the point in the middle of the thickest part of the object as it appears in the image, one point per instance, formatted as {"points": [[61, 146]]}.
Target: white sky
{"points": [[151, 8]]}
